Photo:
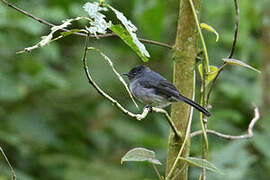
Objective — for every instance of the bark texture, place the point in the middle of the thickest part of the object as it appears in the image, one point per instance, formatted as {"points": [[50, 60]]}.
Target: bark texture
{"points": [[185, 52]]}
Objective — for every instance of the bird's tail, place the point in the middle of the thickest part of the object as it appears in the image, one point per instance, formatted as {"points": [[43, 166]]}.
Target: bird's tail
{"points": [[194, 104]]}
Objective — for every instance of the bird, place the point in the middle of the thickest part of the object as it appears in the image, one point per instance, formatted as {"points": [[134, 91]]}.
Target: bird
{"points": [[152, 89]]}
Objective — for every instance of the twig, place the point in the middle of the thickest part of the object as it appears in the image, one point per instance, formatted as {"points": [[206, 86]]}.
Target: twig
{"points": [[182, 147], [167, 116], [214, 82], [118, 105], [156, 43], [206, 70], [116, 73], [230, 137], [42, 21], [157, 172], [178, 172], [236, 25], [13, 175], [237, 18]]}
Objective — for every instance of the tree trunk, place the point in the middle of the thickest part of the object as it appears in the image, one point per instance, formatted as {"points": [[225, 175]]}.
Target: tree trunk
{"points": [[185, 52]]}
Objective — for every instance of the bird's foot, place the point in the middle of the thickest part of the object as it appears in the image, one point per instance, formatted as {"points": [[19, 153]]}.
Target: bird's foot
{"points": [[149, 107]]}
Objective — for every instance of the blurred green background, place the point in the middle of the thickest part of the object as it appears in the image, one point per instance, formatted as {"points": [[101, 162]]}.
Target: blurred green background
{"points": [[54, 125]]}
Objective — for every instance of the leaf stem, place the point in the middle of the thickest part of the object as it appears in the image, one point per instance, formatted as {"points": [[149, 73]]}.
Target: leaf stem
{"points": [[206, 70]]}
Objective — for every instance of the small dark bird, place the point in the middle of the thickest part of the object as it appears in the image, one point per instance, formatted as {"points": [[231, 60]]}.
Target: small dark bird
{"points": [[152, 89]]}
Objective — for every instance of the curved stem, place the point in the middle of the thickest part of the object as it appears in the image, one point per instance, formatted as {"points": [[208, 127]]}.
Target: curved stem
{"points": [[201, 36], [231, 137], [206, 70], [13, 175], [237, 18]]}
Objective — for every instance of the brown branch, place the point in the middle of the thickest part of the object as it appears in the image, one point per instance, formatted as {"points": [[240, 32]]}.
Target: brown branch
{"points": [[230, 137], [156, 43], [42, 21], [13, 175], [237, 18]]}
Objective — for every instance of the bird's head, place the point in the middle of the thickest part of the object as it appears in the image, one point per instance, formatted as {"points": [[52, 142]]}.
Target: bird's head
{"points": [[136, 72]]}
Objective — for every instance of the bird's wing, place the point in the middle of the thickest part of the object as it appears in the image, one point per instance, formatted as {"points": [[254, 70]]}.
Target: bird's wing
{"points": [[162, 87]]}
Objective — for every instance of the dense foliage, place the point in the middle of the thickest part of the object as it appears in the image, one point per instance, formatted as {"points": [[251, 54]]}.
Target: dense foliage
{"points": [[54, 125]]}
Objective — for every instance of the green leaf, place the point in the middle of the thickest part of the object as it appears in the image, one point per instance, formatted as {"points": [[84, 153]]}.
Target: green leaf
{"points": [[131, 29], [211, 75], [126, 37], [140, 154], [239, 63], [211, 29], [202, 163]]}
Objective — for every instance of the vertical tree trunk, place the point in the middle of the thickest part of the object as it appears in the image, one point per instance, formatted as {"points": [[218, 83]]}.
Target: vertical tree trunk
{"points": [[184, 59]]}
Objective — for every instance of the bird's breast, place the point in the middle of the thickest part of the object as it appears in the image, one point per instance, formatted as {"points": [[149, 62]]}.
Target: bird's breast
{"points": [[147, 95]]}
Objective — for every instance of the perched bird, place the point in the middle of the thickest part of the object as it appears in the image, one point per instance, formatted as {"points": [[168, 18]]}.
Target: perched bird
{"points": [[152, 89]]}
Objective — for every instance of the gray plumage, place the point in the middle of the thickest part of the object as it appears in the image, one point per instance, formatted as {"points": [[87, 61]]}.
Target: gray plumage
{"points": [[152, 89]]}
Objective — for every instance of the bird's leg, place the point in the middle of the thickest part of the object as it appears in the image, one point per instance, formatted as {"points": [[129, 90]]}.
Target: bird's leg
{"points": [[149, 106]]}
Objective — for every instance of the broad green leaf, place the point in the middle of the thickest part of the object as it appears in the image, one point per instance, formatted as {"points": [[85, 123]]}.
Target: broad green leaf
{"points": [[211, 75], [126, 37], [131, 29], [140, 154], [202, 163], [239, 63], [211, 29]]}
